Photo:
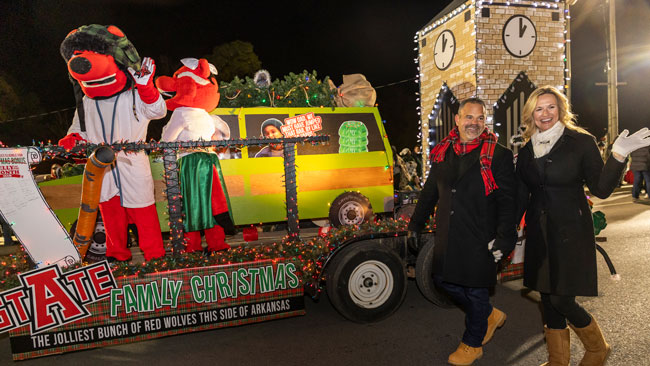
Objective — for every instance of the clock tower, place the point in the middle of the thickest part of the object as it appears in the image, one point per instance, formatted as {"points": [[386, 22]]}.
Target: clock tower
{"points": [[479, 48]]}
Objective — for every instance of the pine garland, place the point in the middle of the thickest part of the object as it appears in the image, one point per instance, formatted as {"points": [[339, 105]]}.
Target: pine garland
{"points": [[309, 255], [294, 90]]}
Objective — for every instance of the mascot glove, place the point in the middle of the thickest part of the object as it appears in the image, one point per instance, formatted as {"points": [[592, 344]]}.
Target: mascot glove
{"points": [[625, 144], [70, 140], [496, 253], [144, 81]]}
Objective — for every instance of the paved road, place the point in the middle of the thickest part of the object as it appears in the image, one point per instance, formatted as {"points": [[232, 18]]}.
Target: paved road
{"points": [[418, 333]]}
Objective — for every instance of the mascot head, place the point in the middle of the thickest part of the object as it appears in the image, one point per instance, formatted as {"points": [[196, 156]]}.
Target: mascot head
{"points": [[193, 85], [98, 58]]}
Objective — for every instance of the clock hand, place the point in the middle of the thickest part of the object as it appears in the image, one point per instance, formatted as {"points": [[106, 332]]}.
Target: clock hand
{"points": [[522, 27], [444, 43]]}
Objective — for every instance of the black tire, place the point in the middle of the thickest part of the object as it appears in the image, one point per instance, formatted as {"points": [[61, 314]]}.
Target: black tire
{"points": [[56, 171], [97, 249], [373, 269], [424, 277], [350, 208], [404, 212]]}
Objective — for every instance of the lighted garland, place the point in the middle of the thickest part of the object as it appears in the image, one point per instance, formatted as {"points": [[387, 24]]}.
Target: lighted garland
{"points": [[294, 90], [309, 256], [11, 266]]}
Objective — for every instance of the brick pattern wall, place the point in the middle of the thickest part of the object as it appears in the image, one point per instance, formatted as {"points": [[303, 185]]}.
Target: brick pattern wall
{"points": [[496, 68], [459, 76]]}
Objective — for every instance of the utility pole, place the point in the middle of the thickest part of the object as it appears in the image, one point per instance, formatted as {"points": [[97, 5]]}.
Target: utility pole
{"points": [[612, 76]]}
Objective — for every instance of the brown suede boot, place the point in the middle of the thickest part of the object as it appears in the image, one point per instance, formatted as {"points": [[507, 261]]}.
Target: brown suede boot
{"points": [[558, 344], [596, 349], [465, 355], [495, 320]]}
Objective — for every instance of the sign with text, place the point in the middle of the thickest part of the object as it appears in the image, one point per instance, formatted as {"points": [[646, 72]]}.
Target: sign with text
{"points": [[22, 205], [48, 298], [302, 125], [175, 302]]}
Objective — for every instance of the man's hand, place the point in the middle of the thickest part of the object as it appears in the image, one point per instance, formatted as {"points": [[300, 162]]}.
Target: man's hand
{"points": [[496, 253], [413, 241]]}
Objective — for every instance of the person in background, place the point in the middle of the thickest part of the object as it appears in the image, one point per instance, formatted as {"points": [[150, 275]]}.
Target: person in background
{"points": [[558, 159], [397, 170], [271, 129], [6, 231], [640, 166], [417, 155], [409, 179], [472, 183]]}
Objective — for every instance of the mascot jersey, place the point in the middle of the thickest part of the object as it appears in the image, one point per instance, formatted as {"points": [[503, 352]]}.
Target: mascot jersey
{"points": [[189, 124], [205, 203], [112, 120]]}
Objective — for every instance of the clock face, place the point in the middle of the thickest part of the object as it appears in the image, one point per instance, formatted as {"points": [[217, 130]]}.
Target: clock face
{"points": [[519, 36], [444, 49]]}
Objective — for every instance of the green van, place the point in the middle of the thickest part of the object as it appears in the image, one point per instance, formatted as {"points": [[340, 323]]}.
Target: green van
{"points": [[344, 180]]}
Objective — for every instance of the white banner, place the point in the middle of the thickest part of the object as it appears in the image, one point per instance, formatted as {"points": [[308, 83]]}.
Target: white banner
{"points": [[22, 205]]}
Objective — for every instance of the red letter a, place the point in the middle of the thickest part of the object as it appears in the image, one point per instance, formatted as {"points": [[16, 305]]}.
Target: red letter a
{"points": [[52, 303]]}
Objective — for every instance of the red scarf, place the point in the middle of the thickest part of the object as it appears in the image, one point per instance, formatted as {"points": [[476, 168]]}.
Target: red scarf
{"points": [[462, 148]]}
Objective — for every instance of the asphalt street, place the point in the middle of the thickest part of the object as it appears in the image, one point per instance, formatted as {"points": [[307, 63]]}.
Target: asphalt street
{"points": [[419, 333]]}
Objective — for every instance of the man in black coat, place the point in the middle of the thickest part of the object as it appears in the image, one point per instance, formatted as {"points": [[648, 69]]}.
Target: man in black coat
{"points": [[640, 166], [472, 183]]}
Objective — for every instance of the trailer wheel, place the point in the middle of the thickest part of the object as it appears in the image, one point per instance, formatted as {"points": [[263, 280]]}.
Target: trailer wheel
{"points": [[424, 277], [350, 208], [97, 248], [366, 282]]}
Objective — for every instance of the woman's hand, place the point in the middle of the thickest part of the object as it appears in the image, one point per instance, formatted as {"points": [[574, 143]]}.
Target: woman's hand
{"points": [[625, 144]]}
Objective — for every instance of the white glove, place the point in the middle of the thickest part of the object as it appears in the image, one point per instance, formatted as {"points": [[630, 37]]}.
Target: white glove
{"points": [[147, 70], [496, 253], [625, 144]]}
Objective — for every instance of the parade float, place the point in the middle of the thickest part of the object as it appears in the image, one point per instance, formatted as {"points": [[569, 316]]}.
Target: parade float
{"points": [[332, 161], [329, 161]]}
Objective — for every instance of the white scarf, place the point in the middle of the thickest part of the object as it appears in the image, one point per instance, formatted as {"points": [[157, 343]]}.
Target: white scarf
{"points": [[544, 141]]}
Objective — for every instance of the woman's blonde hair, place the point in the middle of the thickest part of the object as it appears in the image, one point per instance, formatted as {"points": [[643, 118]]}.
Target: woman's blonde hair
{"points": [[565, 115]]}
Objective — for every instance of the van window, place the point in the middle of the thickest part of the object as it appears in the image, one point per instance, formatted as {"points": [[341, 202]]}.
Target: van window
{"points": [[264, 126], [349, 133], [227, 127]]}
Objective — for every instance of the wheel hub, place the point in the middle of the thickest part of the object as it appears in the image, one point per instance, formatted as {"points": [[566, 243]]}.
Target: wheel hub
{"points": [[371, 284], [351, 213]]}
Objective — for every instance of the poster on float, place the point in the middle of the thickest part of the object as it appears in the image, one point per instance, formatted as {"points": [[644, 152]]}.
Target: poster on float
{"points": [[22, 205], [55, 312]]}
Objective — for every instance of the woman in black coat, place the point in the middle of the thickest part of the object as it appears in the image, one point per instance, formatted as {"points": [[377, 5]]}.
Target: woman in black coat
{"points": [[558, 159]]}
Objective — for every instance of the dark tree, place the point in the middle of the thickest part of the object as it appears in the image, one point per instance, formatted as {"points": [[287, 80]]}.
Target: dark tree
{"points": [[235, 58]]}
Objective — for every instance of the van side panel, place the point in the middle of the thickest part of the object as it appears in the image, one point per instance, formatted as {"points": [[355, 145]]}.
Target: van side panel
{"points": [[357, 158]]}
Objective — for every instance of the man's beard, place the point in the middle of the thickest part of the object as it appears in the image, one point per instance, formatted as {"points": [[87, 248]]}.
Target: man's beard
{"points": [[473, 130]]}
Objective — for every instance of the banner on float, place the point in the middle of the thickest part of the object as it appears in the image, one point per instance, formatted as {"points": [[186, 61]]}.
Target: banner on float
{"points": [[144, 307], [302, 125], [22, 205]]}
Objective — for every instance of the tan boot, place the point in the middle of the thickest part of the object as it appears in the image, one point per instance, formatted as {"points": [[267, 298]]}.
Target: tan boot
{"points": [[465, 355], [495, 320], [558, 344], [596, 349]]}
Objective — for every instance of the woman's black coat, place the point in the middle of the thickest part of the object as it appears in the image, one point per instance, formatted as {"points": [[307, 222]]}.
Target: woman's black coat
{"points": [[466, 219], [560, 252]]}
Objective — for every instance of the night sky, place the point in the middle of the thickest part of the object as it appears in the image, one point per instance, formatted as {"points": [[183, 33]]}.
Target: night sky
{"points": [[374, 38]]}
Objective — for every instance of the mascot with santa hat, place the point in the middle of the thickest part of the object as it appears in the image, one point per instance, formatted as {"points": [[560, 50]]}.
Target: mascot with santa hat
{"points": [[205, 202]]}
